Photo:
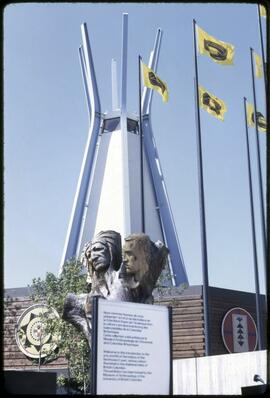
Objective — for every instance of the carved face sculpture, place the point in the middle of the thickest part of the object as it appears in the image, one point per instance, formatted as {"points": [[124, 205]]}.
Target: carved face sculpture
{"points": [[134, 258], [130, 259], [102, 253], [99, 256]]}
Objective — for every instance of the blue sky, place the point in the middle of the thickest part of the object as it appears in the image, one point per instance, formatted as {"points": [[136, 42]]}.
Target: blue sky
{"points": [[46, 126]]}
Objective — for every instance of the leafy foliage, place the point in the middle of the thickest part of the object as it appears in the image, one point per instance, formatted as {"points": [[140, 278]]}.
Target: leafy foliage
{"points": [[164, 287], [71, 343]]}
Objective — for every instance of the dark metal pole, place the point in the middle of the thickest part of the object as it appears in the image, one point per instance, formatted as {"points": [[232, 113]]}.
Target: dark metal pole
{"points": [[40, 347], [94, 348], [255, 258], [202, 207], [141, 146], [263, 223]]}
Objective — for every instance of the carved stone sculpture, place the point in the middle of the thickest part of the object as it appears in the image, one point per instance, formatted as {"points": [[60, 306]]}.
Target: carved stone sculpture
{"points": [[102, 257], [74, 313], [136, 258], [143, 261]]}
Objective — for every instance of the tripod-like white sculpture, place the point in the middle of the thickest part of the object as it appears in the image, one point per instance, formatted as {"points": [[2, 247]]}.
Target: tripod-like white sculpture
{"points": [[114, 191]]}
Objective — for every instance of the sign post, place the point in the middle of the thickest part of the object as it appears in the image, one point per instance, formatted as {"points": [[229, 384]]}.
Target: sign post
{"points": [[131, 348]]}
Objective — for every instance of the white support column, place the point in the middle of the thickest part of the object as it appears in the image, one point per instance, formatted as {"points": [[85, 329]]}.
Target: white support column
{"points": [[73, 234], [177, 267], [115, 102], [123, 121], [153, 61], [85, 80]]}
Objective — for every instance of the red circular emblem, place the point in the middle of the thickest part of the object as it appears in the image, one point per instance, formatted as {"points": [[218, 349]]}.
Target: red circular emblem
{"points": [[239, 331]]}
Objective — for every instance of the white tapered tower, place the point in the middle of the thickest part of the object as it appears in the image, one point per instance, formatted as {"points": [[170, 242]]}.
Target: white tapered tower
{"points": [[114, 191]]}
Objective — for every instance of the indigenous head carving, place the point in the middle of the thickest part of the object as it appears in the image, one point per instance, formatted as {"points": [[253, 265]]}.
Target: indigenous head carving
{"points": [[143, 261], [102, 253], [137, 255]]}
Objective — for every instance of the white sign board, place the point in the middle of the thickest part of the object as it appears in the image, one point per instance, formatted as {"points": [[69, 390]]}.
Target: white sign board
{"points": [[131, 348]]}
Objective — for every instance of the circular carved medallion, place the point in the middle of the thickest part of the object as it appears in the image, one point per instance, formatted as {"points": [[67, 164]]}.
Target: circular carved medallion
{"points": [[31, 337]]}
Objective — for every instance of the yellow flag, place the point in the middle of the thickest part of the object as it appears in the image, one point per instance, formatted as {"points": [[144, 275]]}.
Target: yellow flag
{"points": [[250, 115], [151, 80], [262, 11], [219, 51], [258, 65], [261, 121], [212, 104]]}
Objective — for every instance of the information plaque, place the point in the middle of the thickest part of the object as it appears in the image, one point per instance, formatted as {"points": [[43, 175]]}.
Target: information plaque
{"points": [[131, 348]]}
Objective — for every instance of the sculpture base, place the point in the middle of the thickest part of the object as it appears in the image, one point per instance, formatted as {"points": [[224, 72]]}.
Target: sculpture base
{"points": [[30, 382]]}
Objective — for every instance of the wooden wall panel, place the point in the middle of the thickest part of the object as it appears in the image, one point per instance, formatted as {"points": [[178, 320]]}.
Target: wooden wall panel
{"points": [[187, 323]]}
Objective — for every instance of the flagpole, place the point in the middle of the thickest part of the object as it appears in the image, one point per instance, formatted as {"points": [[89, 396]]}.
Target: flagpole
{"points": [[259, 168], [262, 50], [255, 257], [141, 146], [202, 207]]}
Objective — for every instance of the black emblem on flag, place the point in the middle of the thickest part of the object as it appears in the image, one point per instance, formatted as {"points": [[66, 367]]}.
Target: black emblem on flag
{"points": [[215, 50], [211, 103], [260, 119], [156, 81]]}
